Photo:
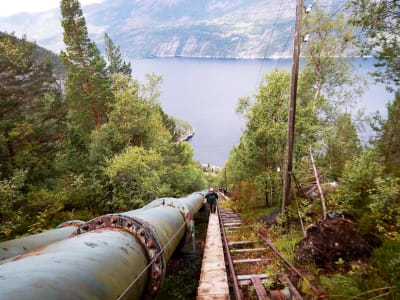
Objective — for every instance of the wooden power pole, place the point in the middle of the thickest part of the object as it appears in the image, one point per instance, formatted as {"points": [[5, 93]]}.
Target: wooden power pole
{"points": [[288, 166]]}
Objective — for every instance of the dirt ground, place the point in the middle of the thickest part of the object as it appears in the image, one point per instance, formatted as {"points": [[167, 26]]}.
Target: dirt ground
{"points": [[335, 243]]}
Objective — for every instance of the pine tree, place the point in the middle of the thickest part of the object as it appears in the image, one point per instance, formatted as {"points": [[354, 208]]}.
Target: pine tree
{"points": [[115, 62], [343, 147], [88, 85], [388, 142], [27, 123]]}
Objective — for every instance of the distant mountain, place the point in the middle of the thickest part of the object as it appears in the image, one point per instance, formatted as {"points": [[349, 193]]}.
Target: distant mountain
{"points": [[167, 28], [41, 54]]}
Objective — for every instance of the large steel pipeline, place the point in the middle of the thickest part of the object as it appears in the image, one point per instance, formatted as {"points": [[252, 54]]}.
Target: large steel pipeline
{"points": [[19, 246], [113, 256]]}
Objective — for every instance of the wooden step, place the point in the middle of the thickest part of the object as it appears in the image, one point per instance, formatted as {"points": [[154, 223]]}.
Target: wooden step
{"points": [[233, 227], [232, 224], [246, 279], [250, 260], [241, 244], [247, 250]]}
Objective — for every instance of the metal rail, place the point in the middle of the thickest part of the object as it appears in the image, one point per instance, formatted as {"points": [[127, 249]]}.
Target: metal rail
{"points": [[288, 264], [255, 279], [235, 284]]}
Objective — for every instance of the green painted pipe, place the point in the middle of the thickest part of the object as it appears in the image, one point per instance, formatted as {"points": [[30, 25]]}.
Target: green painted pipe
{"points": [[116, 256], [19, 246]]}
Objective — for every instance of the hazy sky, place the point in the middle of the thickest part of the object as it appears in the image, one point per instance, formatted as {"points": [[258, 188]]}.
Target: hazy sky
{"points": [[11, 7]]}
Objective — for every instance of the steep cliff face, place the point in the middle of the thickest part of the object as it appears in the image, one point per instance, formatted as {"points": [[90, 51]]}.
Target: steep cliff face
{"points": [[165, 28]]}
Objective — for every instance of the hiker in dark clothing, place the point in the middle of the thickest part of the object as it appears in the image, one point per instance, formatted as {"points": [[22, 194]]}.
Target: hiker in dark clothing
{"points": [[212, 197]]}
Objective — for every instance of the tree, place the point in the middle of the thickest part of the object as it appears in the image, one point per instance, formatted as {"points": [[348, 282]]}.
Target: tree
{"points": [[380, 27], [388, 141], [11, 197], [31, 112], [358, 179], [260, 152], [343, 147], [327, 88], [327, 78], [135, 178], [115, 62], [88, 85]]}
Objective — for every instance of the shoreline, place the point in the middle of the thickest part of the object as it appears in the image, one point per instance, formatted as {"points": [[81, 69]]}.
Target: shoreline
{"points": [[235, 58]]}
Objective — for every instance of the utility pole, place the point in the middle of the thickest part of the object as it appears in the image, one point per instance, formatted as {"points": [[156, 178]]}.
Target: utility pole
{"points": [[288, 166]]}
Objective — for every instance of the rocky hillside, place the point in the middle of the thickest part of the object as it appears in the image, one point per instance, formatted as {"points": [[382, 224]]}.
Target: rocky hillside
{"points": [[165, 28]]}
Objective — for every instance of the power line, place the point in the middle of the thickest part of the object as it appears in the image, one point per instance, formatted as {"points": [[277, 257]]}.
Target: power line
{"points": [[285, 45], [278, 15]]}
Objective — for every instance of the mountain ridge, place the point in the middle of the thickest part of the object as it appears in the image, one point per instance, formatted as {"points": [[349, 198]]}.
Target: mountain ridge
{"points": [[177, 28]]}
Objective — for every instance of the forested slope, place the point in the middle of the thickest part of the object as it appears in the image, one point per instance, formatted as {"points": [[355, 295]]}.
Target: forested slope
{"points": [[355, 242], [82, 138]]}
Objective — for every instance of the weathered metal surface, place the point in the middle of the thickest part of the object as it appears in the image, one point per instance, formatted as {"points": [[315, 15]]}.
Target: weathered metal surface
{"points": [[97, 265], [109, 257], [19, 246], [235, 283]]}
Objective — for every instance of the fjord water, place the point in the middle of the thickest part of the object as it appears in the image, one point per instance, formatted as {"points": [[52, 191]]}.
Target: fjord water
{"points": [[205, 93]]}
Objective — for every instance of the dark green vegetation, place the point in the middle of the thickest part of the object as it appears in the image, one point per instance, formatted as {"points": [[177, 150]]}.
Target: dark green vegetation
{"points": [[96, 140], [184, 268], [355, 245], [81, 143]]}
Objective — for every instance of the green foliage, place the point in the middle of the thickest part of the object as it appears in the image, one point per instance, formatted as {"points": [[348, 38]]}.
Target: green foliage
{"points": [[178, 286], [183, 180], [135, 178], [136, 113], [359, 179], [342, 147], [379, 25], [386, 262], [259, 153], [328, 73], [115, 62], [11, 198], [42, 208], [388, 141], [88, 86], [385, 202], [341, 286], [377, 280], [31, 114]]}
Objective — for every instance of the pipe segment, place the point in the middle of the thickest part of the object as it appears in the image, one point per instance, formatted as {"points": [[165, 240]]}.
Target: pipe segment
{"points": [[21, 245], [116, 255]]}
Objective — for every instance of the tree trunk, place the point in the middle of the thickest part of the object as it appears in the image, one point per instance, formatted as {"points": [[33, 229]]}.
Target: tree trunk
{"points": [[321, 192]]}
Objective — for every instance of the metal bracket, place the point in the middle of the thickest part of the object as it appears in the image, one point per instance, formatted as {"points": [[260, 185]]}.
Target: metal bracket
{"points": [[144, 234]]}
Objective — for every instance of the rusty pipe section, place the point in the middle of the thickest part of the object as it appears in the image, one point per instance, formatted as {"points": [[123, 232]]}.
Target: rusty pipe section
{"points": [[19, 246], [187, 205], [112, 256]]}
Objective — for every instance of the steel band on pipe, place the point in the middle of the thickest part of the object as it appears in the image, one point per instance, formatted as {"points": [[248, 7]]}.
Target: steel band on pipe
{"points": [[144, 234]]}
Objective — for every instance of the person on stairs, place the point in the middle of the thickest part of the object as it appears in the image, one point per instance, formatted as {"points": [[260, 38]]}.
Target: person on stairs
{"points": [[212, 197]]}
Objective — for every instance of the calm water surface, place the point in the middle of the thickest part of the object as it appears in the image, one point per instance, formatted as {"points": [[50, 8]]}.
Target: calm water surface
{"points": [[205, 93]]}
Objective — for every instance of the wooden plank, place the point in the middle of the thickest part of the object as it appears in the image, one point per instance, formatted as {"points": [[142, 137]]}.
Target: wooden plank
{"points": [[250, 260], [235, 222], [232, 228], [247, 250], [249, 276], [260, 290], [240, 244]]}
